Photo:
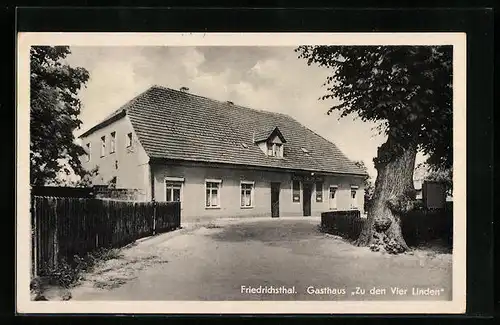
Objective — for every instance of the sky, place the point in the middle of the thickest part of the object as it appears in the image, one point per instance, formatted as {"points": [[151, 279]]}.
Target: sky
{"points": [[267, 78]]}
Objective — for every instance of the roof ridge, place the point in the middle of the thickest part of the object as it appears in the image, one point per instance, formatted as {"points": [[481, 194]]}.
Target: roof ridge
{"points": [[220, 101]]}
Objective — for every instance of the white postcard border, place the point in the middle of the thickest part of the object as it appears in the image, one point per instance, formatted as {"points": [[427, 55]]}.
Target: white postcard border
{"points": [[23, 261]]}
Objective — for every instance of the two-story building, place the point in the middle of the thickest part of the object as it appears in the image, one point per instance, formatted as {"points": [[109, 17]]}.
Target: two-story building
{"points": [[220, 159]]}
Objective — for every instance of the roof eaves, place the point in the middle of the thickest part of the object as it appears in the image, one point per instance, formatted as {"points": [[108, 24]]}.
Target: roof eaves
{"points": [[118, 113], [157, 159], [110, 119]]}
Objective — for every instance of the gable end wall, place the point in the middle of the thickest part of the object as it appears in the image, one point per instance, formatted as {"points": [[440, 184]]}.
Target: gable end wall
{"points": [[133, 166]]}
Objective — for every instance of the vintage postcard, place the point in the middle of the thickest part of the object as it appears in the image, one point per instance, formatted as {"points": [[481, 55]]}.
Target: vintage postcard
{"points": [[286, 173]]}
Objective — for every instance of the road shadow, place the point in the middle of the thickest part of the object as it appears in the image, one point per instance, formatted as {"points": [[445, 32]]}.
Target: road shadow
{"points": [[268, 231], [437, 246]]}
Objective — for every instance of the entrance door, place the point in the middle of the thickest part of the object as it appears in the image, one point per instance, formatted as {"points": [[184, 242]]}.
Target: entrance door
{"points": [[306, 193], [275, 200], [333, 198]]}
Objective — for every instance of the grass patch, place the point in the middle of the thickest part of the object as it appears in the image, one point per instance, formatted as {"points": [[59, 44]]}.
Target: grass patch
{"points": [[212, 225], [110, 284], [162, 262]]}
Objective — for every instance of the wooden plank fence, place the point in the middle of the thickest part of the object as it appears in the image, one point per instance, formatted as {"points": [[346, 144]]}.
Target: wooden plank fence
{"points": [[63, 227]]}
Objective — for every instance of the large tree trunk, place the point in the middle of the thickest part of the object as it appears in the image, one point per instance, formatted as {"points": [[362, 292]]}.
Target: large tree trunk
{"points": [[393, 196]]}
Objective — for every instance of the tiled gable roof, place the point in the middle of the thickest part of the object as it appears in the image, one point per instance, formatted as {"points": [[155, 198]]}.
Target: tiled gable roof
{"points": [[177, 125]]}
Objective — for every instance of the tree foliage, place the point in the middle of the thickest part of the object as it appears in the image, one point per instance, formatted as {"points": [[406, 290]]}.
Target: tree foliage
{"points": [[408, 89], [444, 176], [54, 114]]}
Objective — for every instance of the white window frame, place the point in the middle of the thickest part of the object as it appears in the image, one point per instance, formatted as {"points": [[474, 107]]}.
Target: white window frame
{"points": [[112, 142], [252, 194], [275, 148], [354, 202], [179, 180], [269, 149], [322, 192], [218, 193], [278, 150], [129, 140], [103, 146], [300, 192], [88, 148], [336, 187]]}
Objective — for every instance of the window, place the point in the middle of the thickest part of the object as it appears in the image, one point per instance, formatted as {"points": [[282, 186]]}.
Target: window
{"points": [[212, 193], [89, 151], [173, 191], [103, 145], [295, 191], [280, 150], [354, 191], [333, 197], [269, 149], [129, 140], [112, 146], [247, 189], [275, 149], [319, 192]]}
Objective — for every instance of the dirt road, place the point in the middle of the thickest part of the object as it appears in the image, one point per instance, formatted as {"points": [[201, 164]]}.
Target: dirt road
{"points": [[264, 259]]}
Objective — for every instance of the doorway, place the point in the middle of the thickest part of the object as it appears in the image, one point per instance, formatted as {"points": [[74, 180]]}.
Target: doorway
{"points": [[275, 200], [306, 196]]}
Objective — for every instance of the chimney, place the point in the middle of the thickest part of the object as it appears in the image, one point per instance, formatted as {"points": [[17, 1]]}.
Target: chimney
{"points": [[184, 89]]}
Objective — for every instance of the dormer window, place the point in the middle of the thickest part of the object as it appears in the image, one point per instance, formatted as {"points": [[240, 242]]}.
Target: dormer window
{"points": [[271, 142]]}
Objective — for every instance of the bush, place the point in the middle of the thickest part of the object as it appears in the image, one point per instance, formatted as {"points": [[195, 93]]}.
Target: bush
{"points": [[68, 273], [62, 275], [347, 224], [418, 226], [425, 225]]}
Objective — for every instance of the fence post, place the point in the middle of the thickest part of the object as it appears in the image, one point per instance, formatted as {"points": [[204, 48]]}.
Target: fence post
{"points": [[55, 233], [34, 237], [92, 212], [178, 216], [154, 217]]}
